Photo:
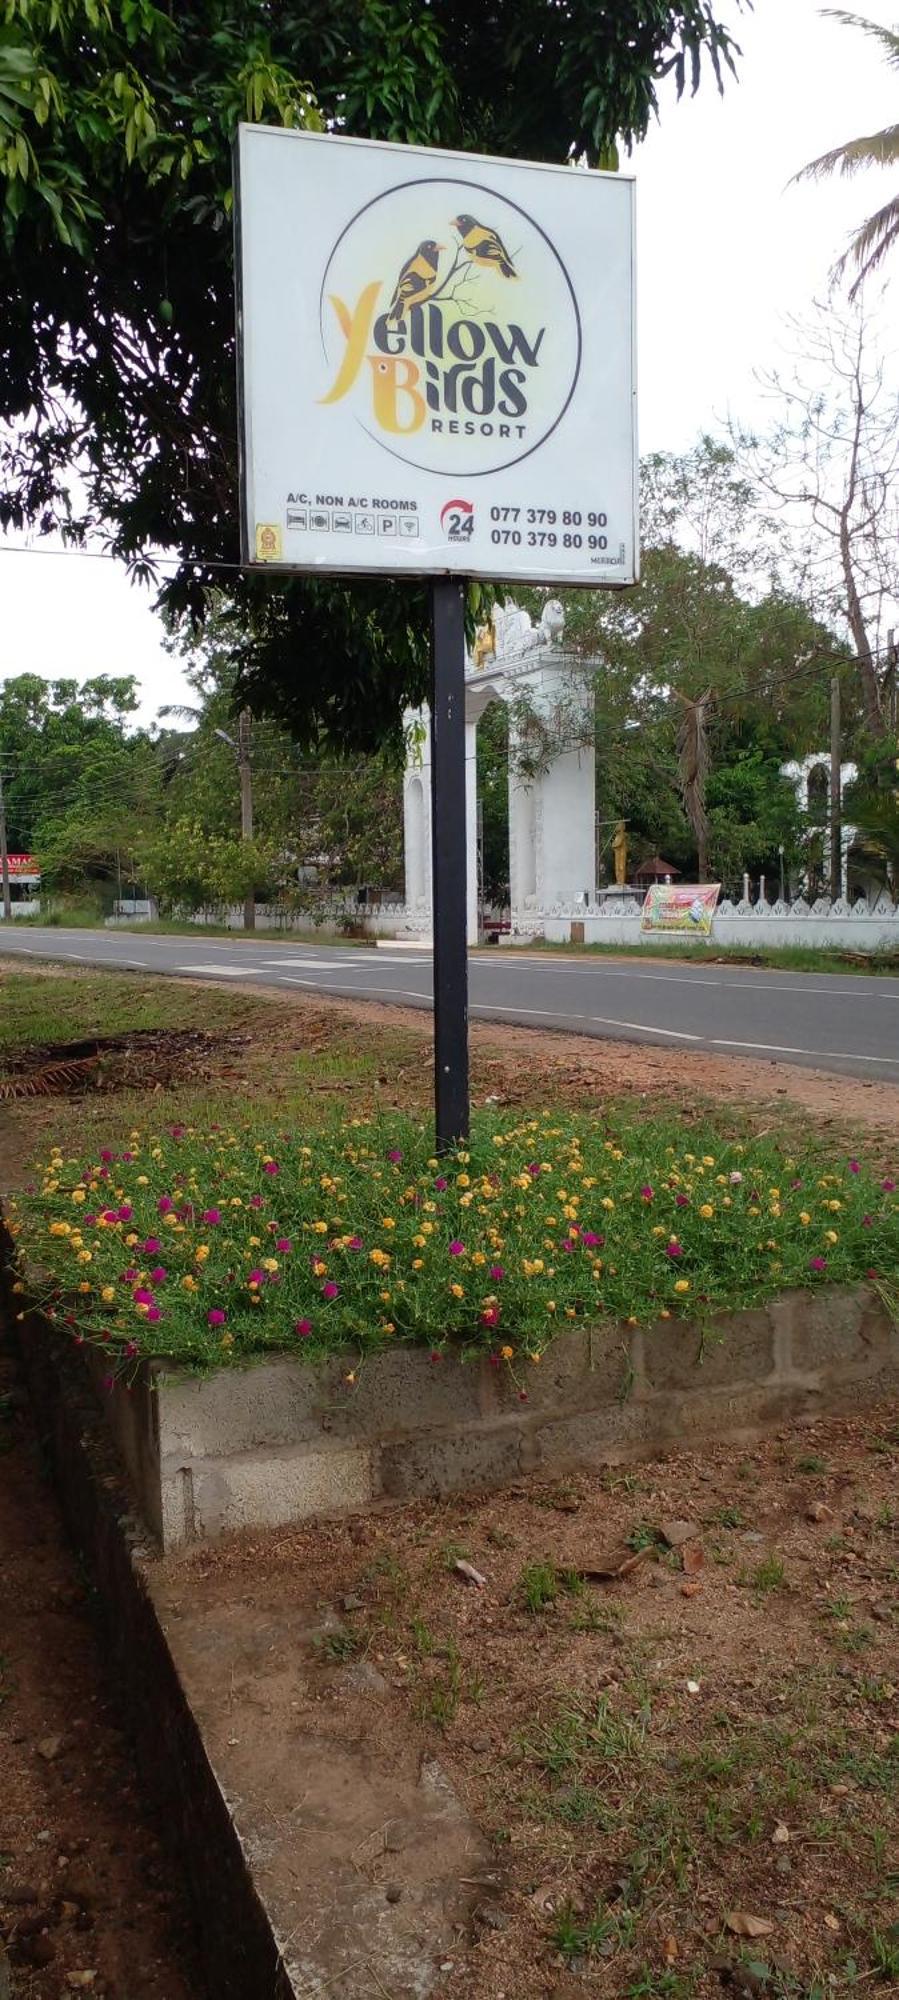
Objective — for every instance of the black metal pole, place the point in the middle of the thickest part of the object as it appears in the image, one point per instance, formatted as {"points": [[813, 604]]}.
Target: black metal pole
{"points": [[448, 868]]}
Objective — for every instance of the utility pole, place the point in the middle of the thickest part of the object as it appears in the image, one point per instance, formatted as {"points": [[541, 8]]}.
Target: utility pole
{"points": [[246, 805], [4, 859], [245, 770], [836, 828], [892, 690]]}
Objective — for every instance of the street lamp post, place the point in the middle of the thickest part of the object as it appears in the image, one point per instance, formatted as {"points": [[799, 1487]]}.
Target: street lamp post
{"points": [[242, 752]]}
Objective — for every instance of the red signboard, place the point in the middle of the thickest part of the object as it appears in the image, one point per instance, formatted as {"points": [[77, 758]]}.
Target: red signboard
{"points": [[23, 864]]}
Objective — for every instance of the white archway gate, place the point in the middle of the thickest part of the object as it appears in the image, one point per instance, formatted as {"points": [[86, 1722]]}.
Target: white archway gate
{"points": [[552, 784]]}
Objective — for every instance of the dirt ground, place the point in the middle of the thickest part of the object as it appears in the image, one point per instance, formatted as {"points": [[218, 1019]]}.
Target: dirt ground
{"points": [[88, 1900], [689, 1772]]}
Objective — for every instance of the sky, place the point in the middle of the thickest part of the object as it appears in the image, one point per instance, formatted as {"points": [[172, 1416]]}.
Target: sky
{"points": [[726, 249]]}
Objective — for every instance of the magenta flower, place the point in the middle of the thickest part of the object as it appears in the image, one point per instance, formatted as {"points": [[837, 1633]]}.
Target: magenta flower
{"points": [[303, 1327], [888, 1186], [441, 1184], [109, 1383], [270, 1167], [533, 1166], [215, 1317], [283, 1243], [256, 1278], [355, 1243], [591, 1241], [682, 1200], [673, 1250], [456, 1249], [89, 1220], [152, 1246], [330, 1290], [153, 1313], [854, 1167], [110, 1215], [647, 1193], [125, 1212], [131, 1349], [164, 1205], [158, 1277], [497, 1273], [817, 1263], [105, 1154], [257, 1201], [129, 1276], [490, 1316], [867, 1221], [142, 1297], [128, 1157], [211, 1215], [435, 1356], [395, 1156]]}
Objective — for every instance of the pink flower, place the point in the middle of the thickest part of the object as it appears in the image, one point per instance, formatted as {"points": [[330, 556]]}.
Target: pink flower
{"points": [[283, 1243], [355, 1243], [89, 1220], [395, 1156], [215, 1317], [303, 1327], [128, 1157], [153, 1313], [673, 1250], [131, 1349], [158, 1277], [441, 1184], [257, 1201], [490, 1316], [105, 1153], [142, 1297], [270, 1167], [129, 1276], [533, 1166], [682, 1200], [647, 1193], [164, 1205], [125, 1212], [854, 1167], [330, 1290], [110, 1215], [256, 1278], [497, 1273], [435, 1356], [867, 1221], [888, 1186], [152, 1246], [591, 1241], [817, 1263], [212, 1216], [456, 1249], [735, 1179]]}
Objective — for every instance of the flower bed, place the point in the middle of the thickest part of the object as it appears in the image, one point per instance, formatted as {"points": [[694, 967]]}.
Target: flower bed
{"points": [[210, 1247]]}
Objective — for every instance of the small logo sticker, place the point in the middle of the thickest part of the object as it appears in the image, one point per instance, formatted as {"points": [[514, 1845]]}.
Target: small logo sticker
{"points": [[268, 542]]}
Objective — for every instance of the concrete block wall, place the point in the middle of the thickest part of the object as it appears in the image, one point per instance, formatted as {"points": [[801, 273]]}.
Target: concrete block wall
{"points": [[285, 1440]]}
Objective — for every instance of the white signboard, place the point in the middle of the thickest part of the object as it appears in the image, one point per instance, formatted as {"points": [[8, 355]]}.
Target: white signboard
{"points": [[436, 362]]}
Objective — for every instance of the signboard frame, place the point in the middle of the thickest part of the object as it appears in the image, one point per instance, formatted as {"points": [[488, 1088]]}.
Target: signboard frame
{"points": [[445, 560], [680, 909]]}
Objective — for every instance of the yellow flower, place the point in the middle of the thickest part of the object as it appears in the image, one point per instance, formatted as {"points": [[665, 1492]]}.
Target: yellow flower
{"points": [[379, 1258], [550, 1305], [477, 1257], [387, 1326], [664, 1314], [388, 1222], [84, 1286], [534, 1359], [830, 1236], [201, 1253], [227, 1340], [86, 1256], [270, 1263], [60, 1229], [706, 1211], [682, 1284], [143, 1180], [832, 1205], [430, 1207], [384, 1298], [805, 1219], [320, 1228], [458, 1291], [607, 1201], [418, 1263], [463, 1180], [708, 1160], [427, 1228], [319, 1269], [189, 1284], [506, 1353], [79, 1194]]}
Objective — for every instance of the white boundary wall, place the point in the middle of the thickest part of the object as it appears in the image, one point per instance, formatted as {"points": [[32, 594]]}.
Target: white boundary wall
{"points": [[821, 925]]}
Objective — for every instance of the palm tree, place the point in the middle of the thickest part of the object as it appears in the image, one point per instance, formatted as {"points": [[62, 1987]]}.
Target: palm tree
{"points": [[871, 242]]}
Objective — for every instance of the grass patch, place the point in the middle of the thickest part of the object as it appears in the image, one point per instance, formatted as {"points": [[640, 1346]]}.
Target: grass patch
{"points": [[39, 1008], [783, 958], [212, 1245]]}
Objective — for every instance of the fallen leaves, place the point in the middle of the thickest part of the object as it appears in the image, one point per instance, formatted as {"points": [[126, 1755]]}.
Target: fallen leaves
{"points": [[743, 1924]]}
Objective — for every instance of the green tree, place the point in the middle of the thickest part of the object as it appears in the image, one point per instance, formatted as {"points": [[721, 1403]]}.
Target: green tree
{"points": [[880, 233], [116, 352], [82, 784]]}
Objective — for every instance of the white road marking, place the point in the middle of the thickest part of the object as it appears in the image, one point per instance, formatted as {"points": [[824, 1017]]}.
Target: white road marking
{"points": [[816, 1055], [870, 989], [373, 992], [221, 971]]}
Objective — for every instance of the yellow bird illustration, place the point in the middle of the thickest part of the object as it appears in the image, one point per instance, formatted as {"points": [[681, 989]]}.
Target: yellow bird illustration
{"points": [[417, 278], [484, 246]]}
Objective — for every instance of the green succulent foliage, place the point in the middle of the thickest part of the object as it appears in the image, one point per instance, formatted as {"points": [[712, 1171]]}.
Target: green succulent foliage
{"points": [[116, 265]]}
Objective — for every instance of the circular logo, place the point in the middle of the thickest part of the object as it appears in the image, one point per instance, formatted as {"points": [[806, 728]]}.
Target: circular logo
{"points": [[450, 326]]}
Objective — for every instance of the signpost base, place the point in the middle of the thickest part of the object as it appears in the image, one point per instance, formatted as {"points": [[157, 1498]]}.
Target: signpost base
{"points": [[449, 861]]}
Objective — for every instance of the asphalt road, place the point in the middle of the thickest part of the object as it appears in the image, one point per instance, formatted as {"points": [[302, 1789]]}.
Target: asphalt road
{"points": [[829, 1021]]}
